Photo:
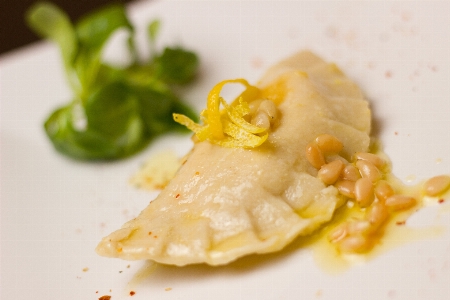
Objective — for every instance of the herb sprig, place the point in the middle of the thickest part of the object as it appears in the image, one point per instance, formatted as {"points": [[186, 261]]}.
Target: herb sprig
{"points": [[115, 111]]}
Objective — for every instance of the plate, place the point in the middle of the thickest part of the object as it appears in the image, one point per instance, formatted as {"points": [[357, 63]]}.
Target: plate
{"points": [[54, 210]]}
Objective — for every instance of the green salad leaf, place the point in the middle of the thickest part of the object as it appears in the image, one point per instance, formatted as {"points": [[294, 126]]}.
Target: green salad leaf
{"points": [[115, 111]]}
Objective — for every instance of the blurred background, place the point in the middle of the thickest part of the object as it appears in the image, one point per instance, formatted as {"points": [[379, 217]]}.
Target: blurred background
{"points": [[14, 33]]}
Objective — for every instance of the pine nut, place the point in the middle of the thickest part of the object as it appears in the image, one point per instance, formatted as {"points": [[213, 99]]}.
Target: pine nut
{"points": [[338, 233], [346, 188], [269, 108], [377, 214], [373, 158], [368, 170], [314, 155], [400, 202], [253, 106], [329, 144], [354, 243], [358, 227], [364, 192], [351, 173], [437, 185], [261, 119], [383, 190], [330, 172]]}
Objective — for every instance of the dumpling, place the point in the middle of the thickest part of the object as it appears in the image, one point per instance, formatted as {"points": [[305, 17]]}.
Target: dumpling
{"points": [[225, 203]]}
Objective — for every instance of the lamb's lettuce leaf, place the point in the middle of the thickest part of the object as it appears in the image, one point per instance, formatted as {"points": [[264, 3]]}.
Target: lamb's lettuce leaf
{"points": [[115, 111]]}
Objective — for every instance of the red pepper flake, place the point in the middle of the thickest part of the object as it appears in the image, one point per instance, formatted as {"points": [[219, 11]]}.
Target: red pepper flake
{"points": [[132, 293], [177, 196], [256, 62], [105, 297], [400, 223], [433, 68], [441, 200]]}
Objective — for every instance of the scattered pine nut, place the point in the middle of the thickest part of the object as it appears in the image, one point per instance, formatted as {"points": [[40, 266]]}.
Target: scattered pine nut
{"points": [[346, 188], [377, 214], [329, 144], [314, 155], [338, 233], [261, 119], [359, 227], [254, 105], [351, 173], [354, 243], [368, 170], [400, 202], [383, 190], [373, 158], [437, 185], [330, 172], [364, 195], [269, 108]]}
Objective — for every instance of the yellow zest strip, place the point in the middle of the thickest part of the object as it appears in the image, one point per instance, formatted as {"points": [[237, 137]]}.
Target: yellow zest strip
{"points": [[227, 129], [240, 134], [237, 113]]}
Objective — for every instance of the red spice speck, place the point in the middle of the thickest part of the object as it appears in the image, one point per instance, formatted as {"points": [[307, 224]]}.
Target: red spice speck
{"points": [[388, 74], [441, 200], [132, 293], [396, 133], [105, 297], [256, 62], [177, 196], [400, 223], [392, 294], [432, 274], [433, 68], [149, 233], [155, 236]]}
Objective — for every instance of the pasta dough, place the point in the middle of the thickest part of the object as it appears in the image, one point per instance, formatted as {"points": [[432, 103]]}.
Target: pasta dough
{"points": [[225, 203]]}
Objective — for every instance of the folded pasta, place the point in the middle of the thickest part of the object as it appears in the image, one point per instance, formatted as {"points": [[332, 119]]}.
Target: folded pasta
{"points": [[228, 202]]}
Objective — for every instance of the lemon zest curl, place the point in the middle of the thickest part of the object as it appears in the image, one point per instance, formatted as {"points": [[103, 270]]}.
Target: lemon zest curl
{"points": [[227, 128]]}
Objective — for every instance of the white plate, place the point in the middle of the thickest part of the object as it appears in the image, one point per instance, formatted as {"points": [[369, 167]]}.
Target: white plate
{"points": [[54, 210]]}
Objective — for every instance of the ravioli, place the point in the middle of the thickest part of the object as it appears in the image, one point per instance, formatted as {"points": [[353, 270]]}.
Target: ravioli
{"points": [[225, 203]]}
